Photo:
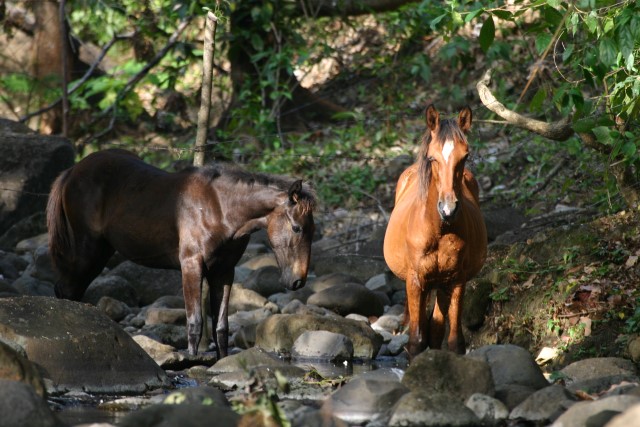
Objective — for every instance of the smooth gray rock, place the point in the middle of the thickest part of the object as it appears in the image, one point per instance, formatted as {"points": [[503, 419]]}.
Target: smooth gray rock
{"points": [[439, 409], [346, 298], [322, 345], [366, 397], [29, 163], [187, 415], [580, 414], [20, 406], [278, 333], [545, 405], [599, 374], [438, 371], [149, 283], [114, 287], [78, 347]]}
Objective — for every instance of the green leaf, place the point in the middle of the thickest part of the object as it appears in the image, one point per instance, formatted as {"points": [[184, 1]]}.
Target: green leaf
{"points": [[629, 149], [435, 21], [503, 14], [538, 100], [607, 52], [592, 22], [553, 3], [473, 14], [568, 50], [603, 134], [542, 41], [487, 34], [584, 125]]}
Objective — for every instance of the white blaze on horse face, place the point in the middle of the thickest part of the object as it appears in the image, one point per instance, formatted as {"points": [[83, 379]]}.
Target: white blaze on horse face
{"points": [[447, 148]]}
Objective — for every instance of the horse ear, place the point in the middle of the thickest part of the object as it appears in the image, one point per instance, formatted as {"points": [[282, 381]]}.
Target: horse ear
{"points": [[433, 117], [295, 191], [464, 119]]}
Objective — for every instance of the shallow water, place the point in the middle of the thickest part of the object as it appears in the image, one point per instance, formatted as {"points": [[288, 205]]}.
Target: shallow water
{"points": [[73, 410]]}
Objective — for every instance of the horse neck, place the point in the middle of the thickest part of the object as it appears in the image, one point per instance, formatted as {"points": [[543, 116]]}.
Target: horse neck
{"points": [[250, 202]]}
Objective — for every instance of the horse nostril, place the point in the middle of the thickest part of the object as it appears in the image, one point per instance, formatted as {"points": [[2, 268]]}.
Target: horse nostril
{"points": [[297, 284]]}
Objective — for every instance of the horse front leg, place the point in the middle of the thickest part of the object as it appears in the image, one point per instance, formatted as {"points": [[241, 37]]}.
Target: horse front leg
{"points": [[192, 290], [220, 291], [456, 340], [437, 324], [416, 308]]}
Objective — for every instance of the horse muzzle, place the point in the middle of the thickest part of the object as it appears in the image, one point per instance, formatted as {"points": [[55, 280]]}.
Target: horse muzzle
{"points": [[447, 208]]}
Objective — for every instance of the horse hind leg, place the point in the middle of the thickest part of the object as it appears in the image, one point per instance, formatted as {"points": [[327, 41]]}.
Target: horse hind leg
{"points": [[417, 301], [456, 341], [78, 270], [220, 291], [437, 323]]}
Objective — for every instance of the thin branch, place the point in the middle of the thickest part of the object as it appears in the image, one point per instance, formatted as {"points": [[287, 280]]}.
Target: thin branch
{"points": [[557, 131], [136, 79], [80, 82]]}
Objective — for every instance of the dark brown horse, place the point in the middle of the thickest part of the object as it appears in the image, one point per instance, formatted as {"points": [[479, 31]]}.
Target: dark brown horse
{"points": [[436, 238], [197, 220]]}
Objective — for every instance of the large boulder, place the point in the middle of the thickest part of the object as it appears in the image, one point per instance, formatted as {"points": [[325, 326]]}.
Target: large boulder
{"points": [[20, 406], [29, 163], [78, 347], [279, 332], [149, 283]]}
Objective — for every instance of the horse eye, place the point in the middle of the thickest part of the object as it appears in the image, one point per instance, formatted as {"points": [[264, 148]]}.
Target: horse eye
{"points": [[430, 159], [296, 228]]}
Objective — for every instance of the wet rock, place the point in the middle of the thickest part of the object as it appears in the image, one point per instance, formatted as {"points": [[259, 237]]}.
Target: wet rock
{"points": [[29, 163], [187, 415], [242, 299], [348, 298], [367, 397], [598, 374], [488, 409], [21, 406], [332, 279], [78, 346], [12, 265], [16, 367], [322, 345], [42, 268], [265, 281], [634, 349], [114, 309], [27, 285], [629, 418], [149, 283], [317, 419], [260, 261], [440, 409], [247, 319], [24, 228], [111, 286], [586, 413], [173, 335], [515, 373], [459, 376], [360, 267], [171, 316], [246, 360], [7, 290], [278, 333], [284, 298], [545, 405]]}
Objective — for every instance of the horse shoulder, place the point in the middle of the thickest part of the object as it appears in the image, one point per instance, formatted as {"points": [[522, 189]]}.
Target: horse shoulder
{"points": [[407, 180]]}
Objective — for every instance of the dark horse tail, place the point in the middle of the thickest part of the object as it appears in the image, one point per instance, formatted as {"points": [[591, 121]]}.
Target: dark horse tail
{"points": [[61, 241]]}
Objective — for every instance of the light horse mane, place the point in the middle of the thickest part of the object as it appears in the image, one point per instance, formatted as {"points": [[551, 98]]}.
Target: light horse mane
{"points": [[236, 174], [447, 130]]}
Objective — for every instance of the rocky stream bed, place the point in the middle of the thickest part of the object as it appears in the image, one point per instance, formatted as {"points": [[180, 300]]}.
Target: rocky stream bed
{"points": [[330, 354]]}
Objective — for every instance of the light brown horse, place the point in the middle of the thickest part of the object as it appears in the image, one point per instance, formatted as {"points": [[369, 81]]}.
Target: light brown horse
{"points": [[197, 221], [436, 238]]}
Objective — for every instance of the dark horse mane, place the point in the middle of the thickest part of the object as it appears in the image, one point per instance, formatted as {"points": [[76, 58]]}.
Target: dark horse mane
{"points": [[448, 129], [236, 174]]}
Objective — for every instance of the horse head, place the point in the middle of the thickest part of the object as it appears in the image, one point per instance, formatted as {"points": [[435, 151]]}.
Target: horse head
{"points": [[290, 229], [444, 153]]}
